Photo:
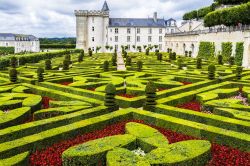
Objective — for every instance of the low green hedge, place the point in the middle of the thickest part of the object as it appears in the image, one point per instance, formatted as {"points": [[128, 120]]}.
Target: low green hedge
{"points": [[17, 160], [92, 152], [34, 102], [10, 104], [68, 103], [232, 113]]}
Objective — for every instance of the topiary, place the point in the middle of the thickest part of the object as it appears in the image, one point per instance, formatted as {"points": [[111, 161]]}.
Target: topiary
{"points": [[150, 91], [174, 56], [110, 91], [159, 56], [13, 62], [199, 63], [125, 54], [66, 64], [114, 60], [106, 66], [220, 59], [147, 51], [190, 53], [128, 61], [186, 53], [40, 72], [239, 70], [231, 61], [13, 75], [90, 52], [80, 57], [67, 57], [180, 63], [211, 71], [48, 64], [139, 65]]}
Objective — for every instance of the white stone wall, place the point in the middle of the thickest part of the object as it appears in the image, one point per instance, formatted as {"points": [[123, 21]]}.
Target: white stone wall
{"points": [[191, 42]]}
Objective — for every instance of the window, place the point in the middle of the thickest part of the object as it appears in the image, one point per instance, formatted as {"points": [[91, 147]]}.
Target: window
{"points": [[160, 31], [150, 30], [128, 30], [7, 44], [160, 38], [116, 47], [110, 30], [138, 38], [116, 30], [172, 30], [116, 38], [93, 39], [138, 30], [160, 47], [150, 39], [111, 39], [93, 29], [93, 19], [128, 38]]}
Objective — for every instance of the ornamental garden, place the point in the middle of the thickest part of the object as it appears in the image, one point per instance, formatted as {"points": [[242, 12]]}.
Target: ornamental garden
{"points": [[73, 108]]}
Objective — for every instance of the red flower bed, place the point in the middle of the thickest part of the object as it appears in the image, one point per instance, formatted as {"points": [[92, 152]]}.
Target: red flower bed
{"points": [[45, 102], [92, 89], [161, 89], [65, 83], [192, 105], [126, 95], [186, 83], [221, 155]]}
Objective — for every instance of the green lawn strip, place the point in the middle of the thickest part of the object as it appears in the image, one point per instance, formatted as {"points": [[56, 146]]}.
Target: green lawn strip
{"points": [[15, 132], [221, 136], [209, 119], [46, 138]]}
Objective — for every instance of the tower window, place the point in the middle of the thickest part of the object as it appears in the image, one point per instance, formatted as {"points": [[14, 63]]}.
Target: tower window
{"points": [[116, 30], [93, 39], [93, 29], [128, 30]]}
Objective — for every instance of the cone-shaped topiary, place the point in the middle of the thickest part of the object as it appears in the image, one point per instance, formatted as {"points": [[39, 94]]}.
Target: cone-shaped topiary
{"points": [[106, 66], [114, 60], [174, 56], [90, 52], [128, 61], [66, 64], [48, 65], [220, 59], [239, 70], [40, 72], [211, 71], [110, 96], [125, 54], [67, 57], [150, 91], [159, 56], [13, 62], [139, 65], [80, 57], [186, 53], [180, 63], [190, 53], [147, 51], [13, 75], [199, 63]]}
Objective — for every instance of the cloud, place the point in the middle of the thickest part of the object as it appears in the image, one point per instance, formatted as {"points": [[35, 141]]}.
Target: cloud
{"points": [[55, 18]]}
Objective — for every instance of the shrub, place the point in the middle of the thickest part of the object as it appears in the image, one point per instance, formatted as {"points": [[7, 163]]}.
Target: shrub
{"points": [[226, 48], [231, 61], [220, 59], [206, 50], [147, 51], [186, 53], [7, 50], [125, 54], [90, 52], [66, 64], [199, 63], [180, 63], [48, 65], [139, 65], [110, 91], [150, 91], [128, 61], [172, 56], [58, 46], [239, 70], [159, 56], [211, 71], [239, 53], [114, 60], [81, 55], [190, 53], [13, 62], [106, 66], [40, 72], [13, 75]]}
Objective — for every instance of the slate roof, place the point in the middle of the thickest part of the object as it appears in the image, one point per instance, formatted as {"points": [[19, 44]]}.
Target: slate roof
{"points": [[105, 7], [136, 22], [13, 37]]}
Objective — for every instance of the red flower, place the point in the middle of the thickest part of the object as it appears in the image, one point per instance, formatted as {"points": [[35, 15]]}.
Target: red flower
{"points": [[192, 105], [65, 83], [126, 95], [45, 102], [186, 83]]}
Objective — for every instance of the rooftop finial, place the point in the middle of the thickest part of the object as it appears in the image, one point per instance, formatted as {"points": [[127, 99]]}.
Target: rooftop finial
{"points": [[105, 6]]}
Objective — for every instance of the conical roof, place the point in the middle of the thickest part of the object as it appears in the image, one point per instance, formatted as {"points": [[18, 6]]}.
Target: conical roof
{"points": [[105, 6]]}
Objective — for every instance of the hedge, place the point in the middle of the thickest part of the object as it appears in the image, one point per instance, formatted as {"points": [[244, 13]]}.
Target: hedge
{"points": [[206, 50], [57, 46], [17, 160], [226, 52], [7, 50], [230, 16], [197, 14], [232, 113], [230, 2], [239, 53], [90, 153], [192, 152]]}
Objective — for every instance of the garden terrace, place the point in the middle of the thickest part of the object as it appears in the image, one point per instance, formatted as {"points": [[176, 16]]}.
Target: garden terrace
{"points": [[44, 121]]}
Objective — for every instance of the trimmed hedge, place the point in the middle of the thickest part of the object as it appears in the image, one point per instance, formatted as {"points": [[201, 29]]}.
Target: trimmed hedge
{"points": [[57, 46], [206, 50], [239, 53], [226, 52], [7, 50]]}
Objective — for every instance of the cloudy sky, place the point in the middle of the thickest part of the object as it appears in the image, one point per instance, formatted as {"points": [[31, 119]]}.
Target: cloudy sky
{"points": [[55, 18]]}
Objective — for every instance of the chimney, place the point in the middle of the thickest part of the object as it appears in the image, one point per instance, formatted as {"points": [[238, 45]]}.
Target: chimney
{"points": [[155, 16]]}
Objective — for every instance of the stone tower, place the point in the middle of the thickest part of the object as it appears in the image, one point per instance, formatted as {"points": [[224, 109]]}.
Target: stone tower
{"points": [[92, 28]]}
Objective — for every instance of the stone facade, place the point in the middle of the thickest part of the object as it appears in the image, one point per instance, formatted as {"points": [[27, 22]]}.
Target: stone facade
{"points": [[94, 28], [21, 43]]}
